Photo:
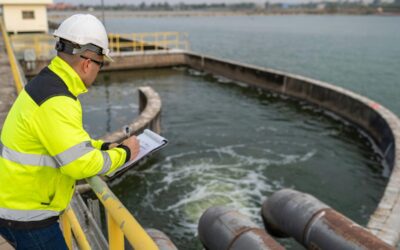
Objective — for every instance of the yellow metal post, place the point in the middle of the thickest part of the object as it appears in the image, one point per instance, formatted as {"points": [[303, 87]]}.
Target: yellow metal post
{"points": [[156, 39], [186, 41], [12, 59], [110, 40], [141, 42], [118, 44], [177, 40], [115, 234], [133, 42], [76, 228], [36, 45], [133, 231], [165, 42], [66, 228]]}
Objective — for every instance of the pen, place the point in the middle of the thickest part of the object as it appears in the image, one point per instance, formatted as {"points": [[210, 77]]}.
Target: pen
{"points": [[127, 131]]}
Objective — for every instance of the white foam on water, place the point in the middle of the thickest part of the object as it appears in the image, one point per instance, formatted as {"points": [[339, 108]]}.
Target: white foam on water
{"points": [[92, 108], [210, 189], [241, 84], [196, 72], [184, 185], [222, 79], [121, 107]]}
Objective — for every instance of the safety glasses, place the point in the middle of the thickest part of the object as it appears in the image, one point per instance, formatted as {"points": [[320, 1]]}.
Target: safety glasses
{"points": [[101, 64]]}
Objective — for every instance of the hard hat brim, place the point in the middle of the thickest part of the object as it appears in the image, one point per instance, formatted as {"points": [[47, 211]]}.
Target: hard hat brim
{"points": [[108, 58]]}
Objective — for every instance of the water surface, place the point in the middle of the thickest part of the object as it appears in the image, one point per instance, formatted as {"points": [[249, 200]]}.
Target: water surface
{"points": [[360, 53], [232, 145]]}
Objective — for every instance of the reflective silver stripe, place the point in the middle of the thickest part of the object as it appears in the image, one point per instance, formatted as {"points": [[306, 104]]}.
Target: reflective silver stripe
{"points": [[27, 159], [26, 215], [106, 164], [74, 153], [57, 161]]}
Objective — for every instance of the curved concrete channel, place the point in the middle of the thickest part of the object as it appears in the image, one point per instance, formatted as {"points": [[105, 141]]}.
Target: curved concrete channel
{"points": [[377, 121], [380, 123]]}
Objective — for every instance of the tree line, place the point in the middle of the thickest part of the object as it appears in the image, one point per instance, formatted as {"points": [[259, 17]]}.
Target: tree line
{"points": [[345, 6]]}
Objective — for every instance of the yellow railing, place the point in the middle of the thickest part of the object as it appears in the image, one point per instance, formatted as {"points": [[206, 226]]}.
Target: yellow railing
{"points": [[17, 74], [71, 223], [121, 222], [43, 44], [139, 42]]}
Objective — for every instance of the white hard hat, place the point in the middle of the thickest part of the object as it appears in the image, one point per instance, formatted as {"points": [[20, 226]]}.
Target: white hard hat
{"points": [[84, 29]]}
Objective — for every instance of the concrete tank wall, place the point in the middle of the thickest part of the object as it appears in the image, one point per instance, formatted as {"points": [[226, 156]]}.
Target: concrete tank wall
{"points": [[145, 60], [347, 104], [380, 123], [126, 61]]}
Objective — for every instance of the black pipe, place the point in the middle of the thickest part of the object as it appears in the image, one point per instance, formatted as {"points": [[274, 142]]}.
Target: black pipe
{"points": [[221, 228], [314, 224], [161, 239]]}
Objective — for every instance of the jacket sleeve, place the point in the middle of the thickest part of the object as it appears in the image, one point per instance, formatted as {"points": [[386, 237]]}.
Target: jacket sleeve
{"points": [[58, 125], [100, 144]]}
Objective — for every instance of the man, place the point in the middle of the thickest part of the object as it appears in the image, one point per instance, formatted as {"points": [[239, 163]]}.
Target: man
{"points": [[44, 148]]}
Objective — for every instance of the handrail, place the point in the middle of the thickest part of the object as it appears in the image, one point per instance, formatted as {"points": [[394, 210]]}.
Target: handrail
{"points": [[155, 41], [66, 228], [120, 222], [18, 80], [69, 221], [120, 219], [43, 44]]}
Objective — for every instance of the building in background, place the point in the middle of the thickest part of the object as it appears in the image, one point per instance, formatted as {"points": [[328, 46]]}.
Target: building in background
{"points": [[25, 16]]}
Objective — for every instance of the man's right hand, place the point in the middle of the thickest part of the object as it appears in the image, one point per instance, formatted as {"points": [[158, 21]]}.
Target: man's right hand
{"points": [[133, 144]]}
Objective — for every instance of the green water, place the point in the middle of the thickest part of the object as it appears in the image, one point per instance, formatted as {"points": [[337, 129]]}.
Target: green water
{"points": [[232, 145]]}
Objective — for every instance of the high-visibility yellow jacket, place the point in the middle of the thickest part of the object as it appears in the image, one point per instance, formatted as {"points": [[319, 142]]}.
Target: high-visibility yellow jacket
{"points": [[44, 147]]}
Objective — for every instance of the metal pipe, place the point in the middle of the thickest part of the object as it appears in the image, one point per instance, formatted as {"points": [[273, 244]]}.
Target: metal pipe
{"points": [[83, 188], [221, 228], [77, 229], [314, 224], [66, 229], [115, 234], [133, 231], [161, 239]]}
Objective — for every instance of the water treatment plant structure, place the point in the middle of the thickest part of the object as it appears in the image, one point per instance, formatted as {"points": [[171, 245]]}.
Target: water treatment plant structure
{"points": [[378, 122]]}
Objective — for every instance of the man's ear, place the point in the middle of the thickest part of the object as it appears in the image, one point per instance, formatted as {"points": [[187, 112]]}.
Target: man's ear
{"points": [[84, 66]]}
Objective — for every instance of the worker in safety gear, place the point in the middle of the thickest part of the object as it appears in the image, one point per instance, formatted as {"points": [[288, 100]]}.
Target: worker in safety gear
{"points": [[44, 148]]}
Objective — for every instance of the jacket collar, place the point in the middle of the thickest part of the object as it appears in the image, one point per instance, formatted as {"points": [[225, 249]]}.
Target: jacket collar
{"points": [[68, 75]]}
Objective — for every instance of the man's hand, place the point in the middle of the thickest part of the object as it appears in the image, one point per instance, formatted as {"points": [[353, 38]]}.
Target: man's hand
{"points": [[133, 144]]}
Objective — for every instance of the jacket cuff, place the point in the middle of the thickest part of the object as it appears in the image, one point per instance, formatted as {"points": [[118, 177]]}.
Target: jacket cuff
{"points": [[128, 152], [105, 146]]}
